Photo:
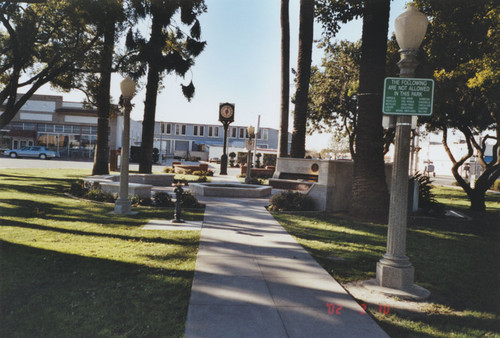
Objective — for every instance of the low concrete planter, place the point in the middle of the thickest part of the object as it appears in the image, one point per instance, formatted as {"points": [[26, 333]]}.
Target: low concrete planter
{"points": [[229, 190], [161, 180], [134, 189]]}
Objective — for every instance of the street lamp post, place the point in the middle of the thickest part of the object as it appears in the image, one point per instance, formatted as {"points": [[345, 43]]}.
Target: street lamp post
{"points": [[122, 204], [394, 269], [251, 133]]}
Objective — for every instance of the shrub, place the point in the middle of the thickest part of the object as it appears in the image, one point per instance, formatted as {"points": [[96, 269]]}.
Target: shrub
{"points": [[425, 195], [169, 170], [96, 194], [426, 199], [496, 185], [162, 199], [242, 157], [78, 188], [138, 200], [189, 201], [254, 180], [291, 201], [269, 159], [203, 173]]}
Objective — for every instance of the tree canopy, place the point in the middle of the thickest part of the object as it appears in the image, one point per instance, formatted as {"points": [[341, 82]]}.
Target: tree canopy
{"points": [[463, 49], [40, 43]]}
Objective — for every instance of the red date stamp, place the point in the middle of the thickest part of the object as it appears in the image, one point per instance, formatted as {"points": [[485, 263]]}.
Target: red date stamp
{"points": [[336, 309]]}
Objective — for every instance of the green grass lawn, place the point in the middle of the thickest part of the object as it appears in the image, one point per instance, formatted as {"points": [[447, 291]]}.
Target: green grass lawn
{"points": [[70, 269], [457, 261]]}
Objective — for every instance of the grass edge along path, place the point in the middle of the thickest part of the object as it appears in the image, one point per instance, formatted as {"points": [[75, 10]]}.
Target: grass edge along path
{"points": [[458, 261], [69, 268]]}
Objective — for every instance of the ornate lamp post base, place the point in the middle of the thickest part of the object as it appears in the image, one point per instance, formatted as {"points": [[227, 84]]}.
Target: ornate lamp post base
{"points": [[123, 207], [395, 274]]}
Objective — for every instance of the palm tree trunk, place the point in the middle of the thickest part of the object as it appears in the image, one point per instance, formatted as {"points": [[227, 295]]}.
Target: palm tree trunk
{"points": [[370, 198], [148, 124], [303, 74], [101, 156], [285, 78]]}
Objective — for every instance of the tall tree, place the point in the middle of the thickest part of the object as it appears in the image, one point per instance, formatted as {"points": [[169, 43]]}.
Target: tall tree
{"points": [[168, 50], [333, 91], [111, 15], [39, 43], [285, 78], [370, 197], [306, 15], [463, 49]]}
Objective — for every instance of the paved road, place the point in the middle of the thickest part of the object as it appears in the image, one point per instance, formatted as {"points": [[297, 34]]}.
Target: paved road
{"points": [[6, 162]]}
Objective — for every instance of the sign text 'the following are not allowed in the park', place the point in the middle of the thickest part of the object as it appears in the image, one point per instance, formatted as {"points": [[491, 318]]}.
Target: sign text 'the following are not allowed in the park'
{"points": [[408, 96]]}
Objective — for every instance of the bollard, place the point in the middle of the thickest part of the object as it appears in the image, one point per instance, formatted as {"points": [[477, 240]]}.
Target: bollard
{"points": [[178, 194]]}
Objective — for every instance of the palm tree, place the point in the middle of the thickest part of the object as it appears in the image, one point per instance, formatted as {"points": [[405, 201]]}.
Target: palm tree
{"points": [[303, 74], [112, 14], [285, 78], [169, 50], [370, 197]]}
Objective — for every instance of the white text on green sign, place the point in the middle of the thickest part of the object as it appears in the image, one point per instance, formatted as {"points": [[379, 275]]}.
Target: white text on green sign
{"points": [[408, 96]]}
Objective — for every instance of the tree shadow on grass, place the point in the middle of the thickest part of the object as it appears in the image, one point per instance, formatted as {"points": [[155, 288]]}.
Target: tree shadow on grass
{"points": [[52, 294], [158, 240]]}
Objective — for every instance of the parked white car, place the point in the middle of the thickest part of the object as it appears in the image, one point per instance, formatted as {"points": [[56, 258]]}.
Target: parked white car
{"points": [[33, 151]]}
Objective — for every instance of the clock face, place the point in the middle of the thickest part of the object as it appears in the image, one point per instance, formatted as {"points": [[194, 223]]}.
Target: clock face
{"points": [[226, 111]]}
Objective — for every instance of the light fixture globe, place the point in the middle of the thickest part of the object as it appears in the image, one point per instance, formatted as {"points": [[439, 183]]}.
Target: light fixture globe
{"points": [[251, 131], [410, 28], [127, 87]]}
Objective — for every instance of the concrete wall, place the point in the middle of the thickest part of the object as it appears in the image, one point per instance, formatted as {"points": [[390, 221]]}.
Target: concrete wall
{"points": [[333, 191]]}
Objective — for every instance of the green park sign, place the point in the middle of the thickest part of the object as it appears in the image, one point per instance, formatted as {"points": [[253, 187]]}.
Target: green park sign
{"points": [[408, 96]]}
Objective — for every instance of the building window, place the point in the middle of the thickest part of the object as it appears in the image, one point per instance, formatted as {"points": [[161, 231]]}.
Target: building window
{"points": [[177, 129], [216, 131], [242, 132], [183, 129], [210, 133], [233, 132], [169, 128], [262, 134], [195, 130], [162, 128], [202, 130]]}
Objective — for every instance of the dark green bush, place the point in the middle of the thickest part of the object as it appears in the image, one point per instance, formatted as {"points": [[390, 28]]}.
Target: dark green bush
{"points": [[426, 199], [254, 180], [269, 159], [138, 200], [202, 179], [203, 173], [291, 201], [96, 194], [189, 201], [78, 188], [162, 199], [425, 196]]}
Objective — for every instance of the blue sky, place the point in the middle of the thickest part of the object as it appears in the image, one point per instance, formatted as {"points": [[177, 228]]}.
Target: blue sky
{"points": [[241, 64]]}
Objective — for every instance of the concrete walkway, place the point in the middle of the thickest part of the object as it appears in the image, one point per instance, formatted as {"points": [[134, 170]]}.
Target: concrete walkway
{"points": [[253, 279]]}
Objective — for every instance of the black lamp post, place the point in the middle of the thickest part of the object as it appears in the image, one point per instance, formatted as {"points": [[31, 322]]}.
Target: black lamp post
{"points": [[226, 117], [178, 195]]}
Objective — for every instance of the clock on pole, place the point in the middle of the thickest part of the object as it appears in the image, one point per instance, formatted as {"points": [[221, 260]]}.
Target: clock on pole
{"points": [[226, 116]]}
